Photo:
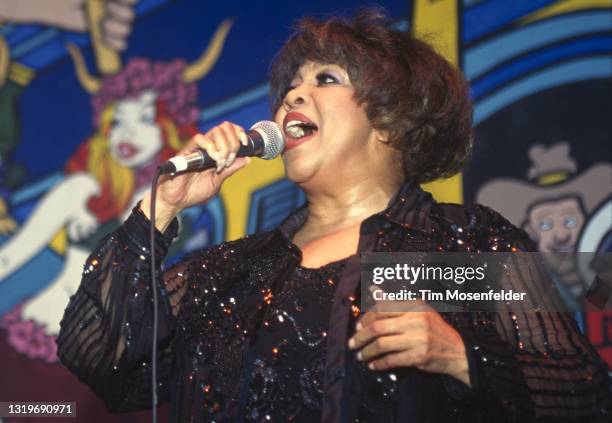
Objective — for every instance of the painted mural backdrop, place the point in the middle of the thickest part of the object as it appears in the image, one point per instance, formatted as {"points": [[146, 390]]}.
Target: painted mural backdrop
{"points": [[541, 76], [94, 94]]}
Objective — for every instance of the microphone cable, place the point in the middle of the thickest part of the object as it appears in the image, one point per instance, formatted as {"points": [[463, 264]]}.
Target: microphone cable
{"points": [[155, 299]]}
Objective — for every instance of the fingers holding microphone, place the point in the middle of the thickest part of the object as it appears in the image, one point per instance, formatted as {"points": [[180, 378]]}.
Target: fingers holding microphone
{"points": [[178, 191], [222, 144], [197, 172], [265, 140]]}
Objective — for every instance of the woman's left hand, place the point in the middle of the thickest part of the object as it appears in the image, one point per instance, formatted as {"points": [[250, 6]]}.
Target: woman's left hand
{"points": [[418, 338]]}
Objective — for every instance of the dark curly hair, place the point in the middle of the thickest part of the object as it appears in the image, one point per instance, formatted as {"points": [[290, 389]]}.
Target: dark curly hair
{"points": [[408, 89]]}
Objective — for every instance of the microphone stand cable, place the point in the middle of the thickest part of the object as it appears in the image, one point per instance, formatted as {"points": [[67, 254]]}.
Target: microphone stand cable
{"points": [[155, 299]]}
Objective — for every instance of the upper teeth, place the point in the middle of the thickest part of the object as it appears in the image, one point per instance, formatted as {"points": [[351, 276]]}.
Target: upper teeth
{"points": [[294, 128]]}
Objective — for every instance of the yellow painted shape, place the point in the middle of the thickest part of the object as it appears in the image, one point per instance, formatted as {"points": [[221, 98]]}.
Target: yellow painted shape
{"points": [[21, 74], [59, 242], [236, 192], [437, 23], [552, 178], [565, 6], [108, 61], [446, 190], [5, 58]]}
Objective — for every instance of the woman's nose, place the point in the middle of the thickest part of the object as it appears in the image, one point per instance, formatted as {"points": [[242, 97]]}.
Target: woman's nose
{"points": [[295, 98]]}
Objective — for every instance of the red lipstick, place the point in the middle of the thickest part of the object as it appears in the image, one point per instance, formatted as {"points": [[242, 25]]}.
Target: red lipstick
{"points": [[290, 141]]}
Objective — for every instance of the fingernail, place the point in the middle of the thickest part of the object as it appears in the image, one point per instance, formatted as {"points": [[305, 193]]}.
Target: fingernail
{"points": [[248, 160], [359, 356], [230, 159], [351, 343], [243, 138], [358, 326], [371, 366]]}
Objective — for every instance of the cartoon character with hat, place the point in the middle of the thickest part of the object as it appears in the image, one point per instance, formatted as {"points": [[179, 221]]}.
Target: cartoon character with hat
{"points": [[553, 206]]}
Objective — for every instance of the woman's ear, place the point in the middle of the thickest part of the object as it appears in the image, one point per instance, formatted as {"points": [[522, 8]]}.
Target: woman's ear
{"points": [[382, 136]]}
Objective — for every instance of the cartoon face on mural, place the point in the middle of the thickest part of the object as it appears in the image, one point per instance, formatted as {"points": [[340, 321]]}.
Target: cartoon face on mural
{"points": [[135, 138], [142, 116], [556, 224]]}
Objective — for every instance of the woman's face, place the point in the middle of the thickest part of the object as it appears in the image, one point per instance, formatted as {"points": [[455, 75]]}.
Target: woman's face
{"points": [[135, 138], [327, 132]]}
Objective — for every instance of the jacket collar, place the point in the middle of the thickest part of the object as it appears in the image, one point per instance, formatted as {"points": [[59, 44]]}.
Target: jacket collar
{"points": [[409, 207]]}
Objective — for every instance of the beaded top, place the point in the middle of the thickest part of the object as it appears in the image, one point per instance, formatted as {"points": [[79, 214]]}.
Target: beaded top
{"points": [[284, 374], [234, 345]]}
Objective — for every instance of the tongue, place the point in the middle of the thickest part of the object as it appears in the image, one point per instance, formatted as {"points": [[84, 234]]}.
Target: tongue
{"points": [[307, 130]]}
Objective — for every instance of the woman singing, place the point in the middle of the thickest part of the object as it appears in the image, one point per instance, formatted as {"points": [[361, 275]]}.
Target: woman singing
{"points": [[267, 328]]}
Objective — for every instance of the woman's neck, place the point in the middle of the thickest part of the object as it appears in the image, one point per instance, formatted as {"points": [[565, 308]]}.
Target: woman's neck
{"points": [[347, 206]]}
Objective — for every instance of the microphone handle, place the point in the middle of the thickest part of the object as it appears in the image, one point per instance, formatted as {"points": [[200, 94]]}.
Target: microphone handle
{"points": [[200, 160]]}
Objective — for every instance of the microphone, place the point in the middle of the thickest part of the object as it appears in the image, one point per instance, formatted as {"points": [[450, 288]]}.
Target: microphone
{"points": [[266, 141]]}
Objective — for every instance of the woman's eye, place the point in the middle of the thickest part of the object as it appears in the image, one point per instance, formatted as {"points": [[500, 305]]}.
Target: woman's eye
{"points": [[326, 78]]}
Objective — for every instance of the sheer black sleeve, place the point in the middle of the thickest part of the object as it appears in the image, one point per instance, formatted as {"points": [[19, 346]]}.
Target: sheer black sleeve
{"points": [[106, 333], [531, 364]]}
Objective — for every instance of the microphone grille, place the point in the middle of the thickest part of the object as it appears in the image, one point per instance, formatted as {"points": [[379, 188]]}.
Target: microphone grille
{"points": [[274, 141]]}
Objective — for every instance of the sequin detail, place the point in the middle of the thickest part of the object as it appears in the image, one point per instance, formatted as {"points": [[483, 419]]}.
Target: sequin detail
{"points": [[287, 376]]}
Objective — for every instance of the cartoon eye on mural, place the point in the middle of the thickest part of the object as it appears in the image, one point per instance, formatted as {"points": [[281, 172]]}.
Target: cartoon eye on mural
{"points": [[142, 116]]}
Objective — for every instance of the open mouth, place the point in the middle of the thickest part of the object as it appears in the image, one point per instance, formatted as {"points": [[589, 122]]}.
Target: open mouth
{"points": [[297, 128], [126, 150]]}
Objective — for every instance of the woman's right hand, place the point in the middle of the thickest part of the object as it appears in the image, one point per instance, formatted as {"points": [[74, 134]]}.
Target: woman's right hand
{"points": [[178, 192]]}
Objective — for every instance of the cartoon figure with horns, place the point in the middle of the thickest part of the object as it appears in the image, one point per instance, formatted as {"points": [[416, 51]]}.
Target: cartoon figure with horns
{"points": [[142, 114]]}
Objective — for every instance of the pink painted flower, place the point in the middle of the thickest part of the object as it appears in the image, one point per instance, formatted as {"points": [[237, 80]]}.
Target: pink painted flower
{"points": [[11, 317], [166, 79], [19, 335], [28, 337]]}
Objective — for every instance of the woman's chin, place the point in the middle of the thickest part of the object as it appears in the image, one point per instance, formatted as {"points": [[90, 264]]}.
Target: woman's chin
{"points": [[298, 174]]}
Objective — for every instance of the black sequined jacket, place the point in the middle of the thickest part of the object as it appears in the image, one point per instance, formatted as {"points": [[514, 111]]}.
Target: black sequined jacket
{"points": [[522, 365]]}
